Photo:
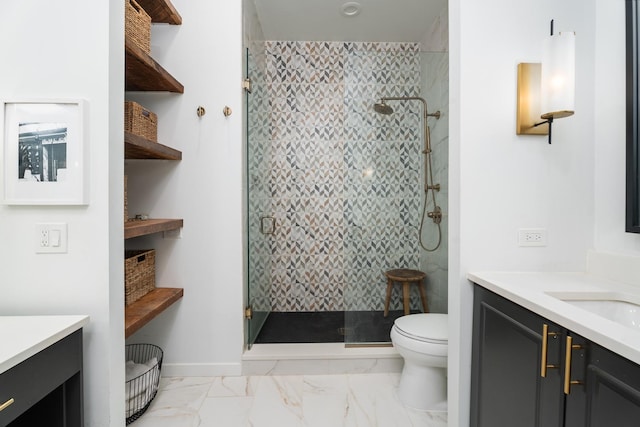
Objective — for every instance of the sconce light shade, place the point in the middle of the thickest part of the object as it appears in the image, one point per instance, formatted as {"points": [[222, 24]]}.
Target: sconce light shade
{"points": [[558, 76]]}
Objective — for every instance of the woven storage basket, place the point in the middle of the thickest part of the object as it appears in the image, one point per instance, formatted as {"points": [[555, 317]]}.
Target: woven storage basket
{"points": [[139, 274], [137, 25], [140, 390], [140, 121]]}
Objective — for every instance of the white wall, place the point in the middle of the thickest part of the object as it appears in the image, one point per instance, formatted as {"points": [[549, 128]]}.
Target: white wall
{"points": [[203, 333], [48, 52], [501, 181], [610, 131]]}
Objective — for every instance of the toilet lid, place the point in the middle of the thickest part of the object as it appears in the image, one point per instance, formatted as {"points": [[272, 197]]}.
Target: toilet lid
{"points": [[429, 327]]}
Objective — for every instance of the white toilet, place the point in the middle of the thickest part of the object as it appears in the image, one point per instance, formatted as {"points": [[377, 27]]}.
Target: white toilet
{"points": [[422, 340]]}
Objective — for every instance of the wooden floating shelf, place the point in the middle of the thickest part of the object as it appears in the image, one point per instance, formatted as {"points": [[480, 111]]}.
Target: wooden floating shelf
{"points": [[161, 11], [137, 228], [137, 147], [143, 73], [141, 312]]}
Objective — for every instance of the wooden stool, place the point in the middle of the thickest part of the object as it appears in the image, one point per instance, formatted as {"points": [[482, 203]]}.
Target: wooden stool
{"points": [[406, 277]]}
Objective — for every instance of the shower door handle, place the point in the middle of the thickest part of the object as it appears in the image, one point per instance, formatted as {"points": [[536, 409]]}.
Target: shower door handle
{"points": [[267, 225]]}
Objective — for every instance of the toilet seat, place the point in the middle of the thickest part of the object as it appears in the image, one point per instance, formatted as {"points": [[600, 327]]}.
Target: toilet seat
{"points": [[429, 328]]}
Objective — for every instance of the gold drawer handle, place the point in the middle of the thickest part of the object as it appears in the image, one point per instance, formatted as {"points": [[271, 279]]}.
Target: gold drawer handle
{"points": [[6, 404], [543, 364], [567, 365]]}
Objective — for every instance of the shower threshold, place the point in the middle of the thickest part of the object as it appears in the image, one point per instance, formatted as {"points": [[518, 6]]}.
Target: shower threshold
{"points": [[319, 359]]}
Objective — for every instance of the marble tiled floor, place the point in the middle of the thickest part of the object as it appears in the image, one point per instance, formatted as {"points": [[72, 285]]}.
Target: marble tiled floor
{"points": [[355, 400]]}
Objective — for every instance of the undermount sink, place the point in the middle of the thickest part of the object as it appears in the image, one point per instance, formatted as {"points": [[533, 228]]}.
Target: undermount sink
{"points": [[619, 308]]}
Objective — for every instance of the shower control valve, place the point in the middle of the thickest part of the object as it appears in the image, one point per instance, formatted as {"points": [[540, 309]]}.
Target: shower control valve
{"points": [[436, 215]]}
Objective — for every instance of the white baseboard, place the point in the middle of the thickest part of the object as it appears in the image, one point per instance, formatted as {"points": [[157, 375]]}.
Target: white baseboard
{"points": [[296, 359], [201, 369]]}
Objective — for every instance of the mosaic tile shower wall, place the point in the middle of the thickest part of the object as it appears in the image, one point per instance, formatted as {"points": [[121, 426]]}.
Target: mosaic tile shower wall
{"points": [[343, 183], [383, 161]]}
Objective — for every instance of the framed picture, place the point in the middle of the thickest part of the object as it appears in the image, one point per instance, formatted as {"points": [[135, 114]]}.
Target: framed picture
{"points": [[45, 153]]}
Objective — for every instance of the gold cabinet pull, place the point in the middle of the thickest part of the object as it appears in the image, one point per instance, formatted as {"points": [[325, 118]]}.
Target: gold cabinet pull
{"points": [[567, 365], [6, 404], [543, 364]]}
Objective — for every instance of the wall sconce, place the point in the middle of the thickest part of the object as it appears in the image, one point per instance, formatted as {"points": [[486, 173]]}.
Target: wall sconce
{"points": [[547, 91]]}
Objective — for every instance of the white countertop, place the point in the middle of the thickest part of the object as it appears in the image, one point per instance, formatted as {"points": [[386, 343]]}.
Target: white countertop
{"points": [[535, 291], [23, 336]]}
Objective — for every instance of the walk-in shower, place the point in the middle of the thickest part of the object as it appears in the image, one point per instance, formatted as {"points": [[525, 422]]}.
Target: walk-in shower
{"points": [[429, 186], [337, 194]]}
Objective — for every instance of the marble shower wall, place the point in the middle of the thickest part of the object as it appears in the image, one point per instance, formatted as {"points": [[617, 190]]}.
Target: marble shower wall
{"points": [[342, 182], [435, 89]]}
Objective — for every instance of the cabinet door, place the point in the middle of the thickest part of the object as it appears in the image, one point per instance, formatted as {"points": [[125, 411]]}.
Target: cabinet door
{"points": [[610, 393], [507, 388]]}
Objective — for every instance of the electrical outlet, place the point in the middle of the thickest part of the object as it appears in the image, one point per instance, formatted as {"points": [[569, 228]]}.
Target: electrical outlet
{"points": [[532, 237], [51, 238], [44, 237]]}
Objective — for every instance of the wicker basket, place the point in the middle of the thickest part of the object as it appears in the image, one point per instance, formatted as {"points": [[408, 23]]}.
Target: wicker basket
{"points": [[145, 359], [139, 274], [140, 121], [137, 25]]}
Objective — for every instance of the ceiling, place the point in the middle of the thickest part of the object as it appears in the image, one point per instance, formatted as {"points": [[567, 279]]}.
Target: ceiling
{"points": [[322, 20]]}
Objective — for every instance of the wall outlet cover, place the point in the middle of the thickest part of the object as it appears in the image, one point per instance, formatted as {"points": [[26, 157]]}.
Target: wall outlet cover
{"points": [[532, 237], [51, 238]]}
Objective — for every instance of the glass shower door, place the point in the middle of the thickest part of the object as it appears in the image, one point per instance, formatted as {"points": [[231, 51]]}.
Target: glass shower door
{"points": [[261, 225]]}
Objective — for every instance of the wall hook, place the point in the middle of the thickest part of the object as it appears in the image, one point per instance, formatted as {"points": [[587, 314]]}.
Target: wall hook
{"points": [[201, 111], [226, 111]]}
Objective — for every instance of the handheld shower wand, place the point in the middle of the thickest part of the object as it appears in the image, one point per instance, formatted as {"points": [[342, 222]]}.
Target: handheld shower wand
{"points": [[429, 187]]}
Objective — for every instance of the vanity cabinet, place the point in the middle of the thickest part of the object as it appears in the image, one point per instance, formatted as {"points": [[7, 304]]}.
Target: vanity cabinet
{"points": [[45, 389], [506, 387], [610, 393], [520, 375]]}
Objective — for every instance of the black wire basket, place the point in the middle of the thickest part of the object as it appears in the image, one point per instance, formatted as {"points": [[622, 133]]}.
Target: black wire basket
{"points": [[145, 361]]}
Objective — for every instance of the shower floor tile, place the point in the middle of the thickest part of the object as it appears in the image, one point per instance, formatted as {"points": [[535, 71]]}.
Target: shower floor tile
{"points": [[327, 326]]}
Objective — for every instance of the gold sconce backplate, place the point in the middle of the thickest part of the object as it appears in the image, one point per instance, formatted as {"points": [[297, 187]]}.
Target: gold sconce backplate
{"points": [[528, 103]]}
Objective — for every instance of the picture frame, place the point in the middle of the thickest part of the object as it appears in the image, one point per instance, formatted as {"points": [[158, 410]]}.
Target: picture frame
{"points": [[45, 152]]}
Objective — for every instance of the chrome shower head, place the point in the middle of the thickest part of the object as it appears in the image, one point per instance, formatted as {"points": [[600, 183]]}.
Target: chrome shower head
{"points": [[382, 108]]}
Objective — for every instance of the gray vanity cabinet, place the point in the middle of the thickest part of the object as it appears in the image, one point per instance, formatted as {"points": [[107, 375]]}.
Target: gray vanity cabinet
{"points": [[45, 389], [610, 391], [512, 349], [506, 386]]}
